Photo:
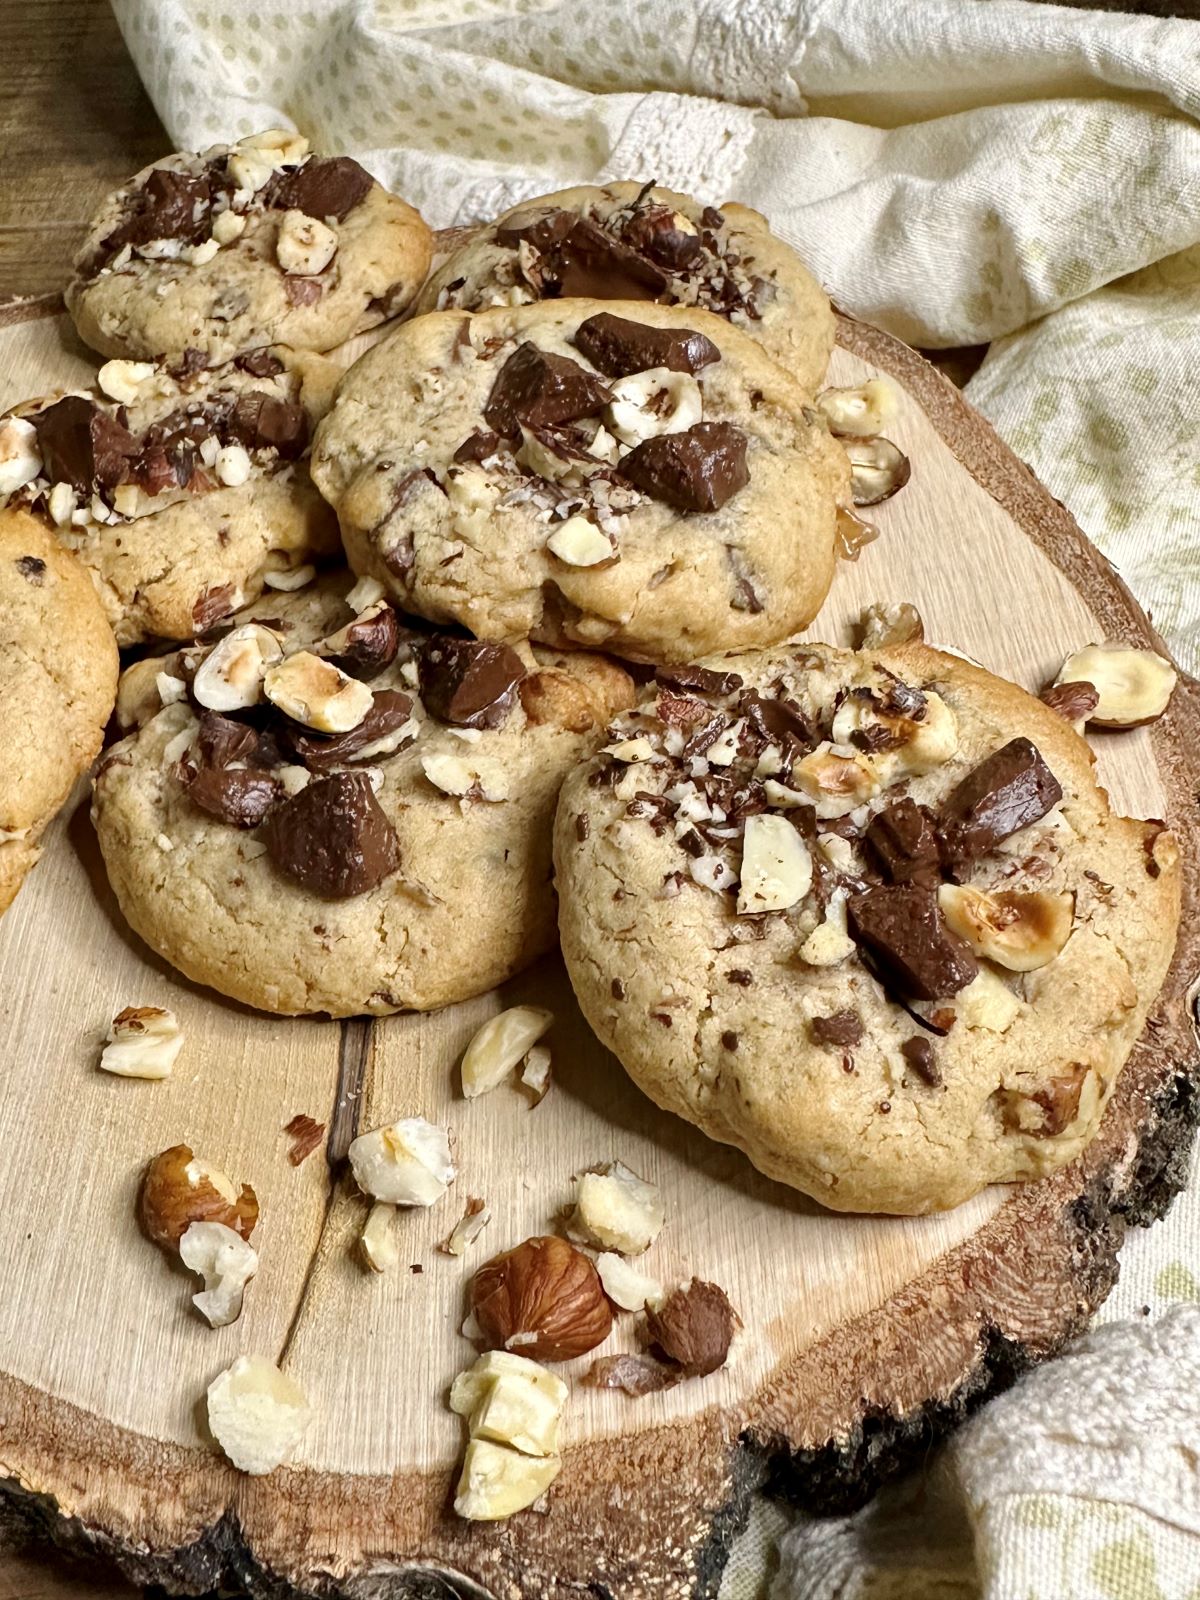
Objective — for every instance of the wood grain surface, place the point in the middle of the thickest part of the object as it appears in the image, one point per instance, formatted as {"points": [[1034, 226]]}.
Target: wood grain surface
{"points": [[857, 1329]]}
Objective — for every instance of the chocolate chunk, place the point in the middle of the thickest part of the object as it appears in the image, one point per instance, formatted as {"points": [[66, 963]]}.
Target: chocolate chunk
{"points": [[1006, 792], [905, 842], [541, 231], [479, 446], [302, 291], [82, 445], [211, 605], [539, 389], [332, 838], [389, 711], [702, 679], [220, 740], [260, 422], [654, 231], [169, 205], [618, 346], [921, 1057], [1074, 701], [681, 711], [903, 928], [712, 218], [191, 363], [372, 643], [468, 683], [323, 187], [258, 363], [588, 263], [32, 569], [697, 470], [239, 796], [843, 1028], [778, 721]]}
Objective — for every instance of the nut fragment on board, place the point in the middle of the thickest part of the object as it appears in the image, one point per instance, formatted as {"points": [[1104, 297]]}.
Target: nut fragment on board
{"points": [[886, 623], [511, 1400], [377, 1243], [497, 1481], [499, 1045], [878, 468], [625, 1286], [179, 1189], [407, 1163], [616, 1210], [636, 1374], [468, 1228], [226, 1263], [1132, 686], [694, 1327], [542, 1299], [306, 1134], [143, 1042], [257, 1414], [535, 1072]]}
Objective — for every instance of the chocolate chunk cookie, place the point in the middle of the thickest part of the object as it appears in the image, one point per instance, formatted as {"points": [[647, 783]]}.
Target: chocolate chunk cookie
{"points": [[58, 678], [610, 474], [866, 916], [245, 245], [330, 811], [627, 241], [182, 488]]}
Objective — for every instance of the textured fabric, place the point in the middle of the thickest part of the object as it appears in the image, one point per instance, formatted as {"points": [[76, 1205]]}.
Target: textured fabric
{"points": [[958, 171]]}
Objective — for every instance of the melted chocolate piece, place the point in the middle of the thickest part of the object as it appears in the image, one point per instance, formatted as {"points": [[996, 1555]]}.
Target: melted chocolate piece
{"points": [[468, 683], [323, 187], [302, 291], [922, 1058], [332, 838], [905, 842], [903, 928], [220, 740], [389, 711], [258, 363], [843, 1028], [539, 389], [588, 263], [479, 446], [32, 569], [780, 722], [372, 644], [543, 231], [259, 422], [82, 445], [190, 364], [697, 470], [169, 205], [618, 346], [702, 679], [1006, 792], [239, 796], [653, 231]]}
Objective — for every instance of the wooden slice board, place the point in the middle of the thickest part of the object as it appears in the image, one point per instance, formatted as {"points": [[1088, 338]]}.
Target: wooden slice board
{"points": [[864, 1337]]}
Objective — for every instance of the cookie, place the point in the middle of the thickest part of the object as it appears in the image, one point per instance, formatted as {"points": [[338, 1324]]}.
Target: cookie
{"points": [[182, 489], [866, 916], [245, 245], [606, 474], [627, 241], [58, 678], [328, 811]]}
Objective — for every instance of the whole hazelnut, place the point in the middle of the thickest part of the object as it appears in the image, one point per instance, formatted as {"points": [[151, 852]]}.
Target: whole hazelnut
{"points": [[178, 1189], [543, 1300], [694, 1327]]}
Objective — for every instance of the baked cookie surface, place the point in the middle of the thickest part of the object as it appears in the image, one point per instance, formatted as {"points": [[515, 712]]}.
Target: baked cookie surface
{"points": [[866, 916], [331, 812], [244, 245], [628, 241], [58, 679], [181, 489], [615, 475]]}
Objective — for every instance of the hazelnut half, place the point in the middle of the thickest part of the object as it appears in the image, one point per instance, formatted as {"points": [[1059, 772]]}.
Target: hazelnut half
{"points": [[178, 1189], [543, 1299]]}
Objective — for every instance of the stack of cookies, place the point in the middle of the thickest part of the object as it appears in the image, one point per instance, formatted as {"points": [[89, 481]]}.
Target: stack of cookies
{"points": [[538, 554]]}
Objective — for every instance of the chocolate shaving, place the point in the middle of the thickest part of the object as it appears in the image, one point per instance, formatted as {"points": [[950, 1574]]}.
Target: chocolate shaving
{"points": [[306, 1134]]}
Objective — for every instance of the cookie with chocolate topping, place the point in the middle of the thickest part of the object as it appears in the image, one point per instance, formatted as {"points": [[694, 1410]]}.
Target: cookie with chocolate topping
{"points": [[182, 488], [892, 878], [612, 474], [255, 243], [58, 678], [343, 843], [629, 241]]}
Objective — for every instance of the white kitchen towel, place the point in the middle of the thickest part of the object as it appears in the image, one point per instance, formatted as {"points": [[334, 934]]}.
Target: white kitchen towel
{"points": [[960, 172]]}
